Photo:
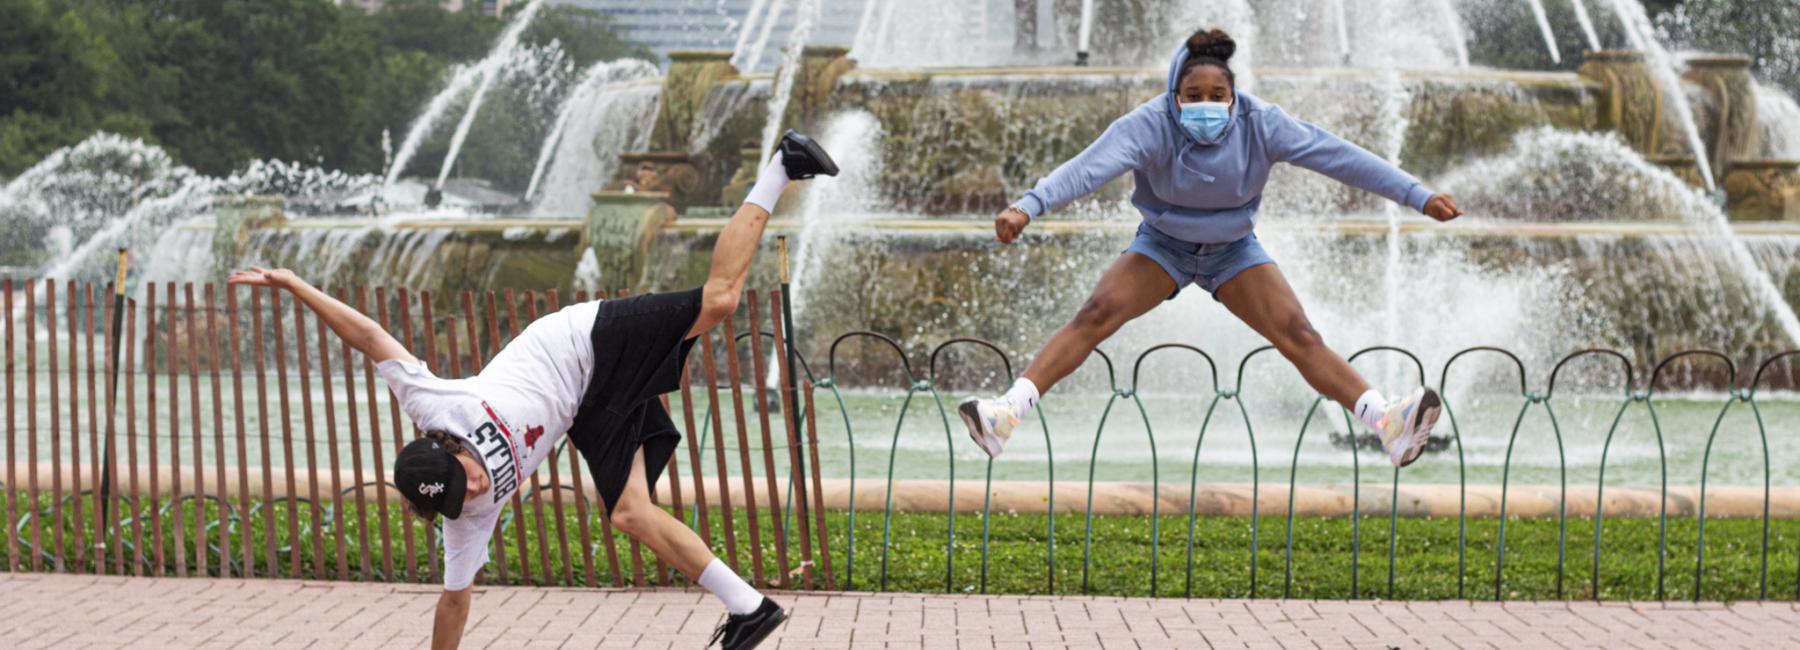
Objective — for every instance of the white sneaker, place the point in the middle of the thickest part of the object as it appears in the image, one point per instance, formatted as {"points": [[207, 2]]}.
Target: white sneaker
{"points": [[1406, 425], [991, 422]]}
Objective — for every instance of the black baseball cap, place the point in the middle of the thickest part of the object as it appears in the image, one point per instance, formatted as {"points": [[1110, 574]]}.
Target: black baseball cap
{"points": [[431, 477]]}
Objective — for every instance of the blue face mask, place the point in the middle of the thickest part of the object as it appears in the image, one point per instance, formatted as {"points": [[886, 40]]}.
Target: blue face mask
{"points": [[1205, 120]]}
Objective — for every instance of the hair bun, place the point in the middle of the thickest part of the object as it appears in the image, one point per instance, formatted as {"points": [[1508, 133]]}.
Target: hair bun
{"points": [[1213, 43]]}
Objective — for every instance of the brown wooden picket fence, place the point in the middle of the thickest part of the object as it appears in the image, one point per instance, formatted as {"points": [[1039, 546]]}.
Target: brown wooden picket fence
{"points": [[247, 483]]}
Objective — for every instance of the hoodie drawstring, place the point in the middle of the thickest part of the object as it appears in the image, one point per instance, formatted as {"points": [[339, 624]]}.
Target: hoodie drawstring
{"points": [[1181, 159]]}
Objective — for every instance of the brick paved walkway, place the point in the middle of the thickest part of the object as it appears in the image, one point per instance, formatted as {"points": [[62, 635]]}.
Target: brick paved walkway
{"points": [[66, 611]]}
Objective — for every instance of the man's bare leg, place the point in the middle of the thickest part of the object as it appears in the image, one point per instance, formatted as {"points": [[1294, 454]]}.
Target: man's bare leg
{"points": [[797, 158], [647, 522], [732, 255], [752, 616]]}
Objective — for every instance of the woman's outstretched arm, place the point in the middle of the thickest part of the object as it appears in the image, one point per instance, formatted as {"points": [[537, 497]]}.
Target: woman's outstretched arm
{"points": [[351, 325], [1304, 144], [1118, 150]]}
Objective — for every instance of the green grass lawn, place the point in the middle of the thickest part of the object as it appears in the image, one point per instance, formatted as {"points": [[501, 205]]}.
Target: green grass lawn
{"points": [[1120, 562]]}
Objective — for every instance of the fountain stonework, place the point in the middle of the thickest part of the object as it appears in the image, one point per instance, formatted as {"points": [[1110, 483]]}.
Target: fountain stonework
{"points": [[625, 224]]}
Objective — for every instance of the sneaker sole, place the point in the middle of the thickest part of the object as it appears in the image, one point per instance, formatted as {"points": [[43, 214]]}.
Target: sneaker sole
{"points": [[971, 417], [811, 147], [763, 631], [1419, 429]]}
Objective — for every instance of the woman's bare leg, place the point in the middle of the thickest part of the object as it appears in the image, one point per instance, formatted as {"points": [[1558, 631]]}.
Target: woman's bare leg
{"points": [[1132, 286], [1262, 298]]}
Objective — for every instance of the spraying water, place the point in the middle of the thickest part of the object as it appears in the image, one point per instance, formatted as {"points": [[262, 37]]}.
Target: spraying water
{"points": [[1553, 176], [1778, 120], [1543, 21], [864, 24], [108, 191], [754, 55], [593, 83], [1587, 25], [1710, 219], [807, 12], [1459, 40], [744, 30], [460, 81], [1643, 39], [1382, 34], [882, 25], [1393, 111], [855, 137], [928, 33], [503, 53], [617, 119], [1343, 30], [830, 204]]}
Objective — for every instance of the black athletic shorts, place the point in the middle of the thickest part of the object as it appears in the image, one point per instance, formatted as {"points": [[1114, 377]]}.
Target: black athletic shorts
{"points": [[640, 350]]}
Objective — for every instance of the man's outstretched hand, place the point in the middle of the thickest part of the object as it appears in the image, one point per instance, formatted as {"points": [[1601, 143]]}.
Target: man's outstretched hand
{"points": [[260, 277]]}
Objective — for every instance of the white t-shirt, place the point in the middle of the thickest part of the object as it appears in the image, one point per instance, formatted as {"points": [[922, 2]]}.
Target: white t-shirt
{"points": [[511, 416]]}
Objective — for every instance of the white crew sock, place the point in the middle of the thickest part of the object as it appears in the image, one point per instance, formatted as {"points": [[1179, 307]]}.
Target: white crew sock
{"points": [[1023, 395], [769, 184], [739, 597], [1370, 407]]}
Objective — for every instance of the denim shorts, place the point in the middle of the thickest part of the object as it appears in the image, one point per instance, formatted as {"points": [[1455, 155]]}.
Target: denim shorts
{"points": [[1207, 265]]}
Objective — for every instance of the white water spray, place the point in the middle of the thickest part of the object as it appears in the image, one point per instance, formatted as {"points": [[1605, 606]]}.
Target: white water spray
{"points": [[1543, 21], [460, 81], [1587, 25], [593, 83], [1712, 221], [1395, 101], [1343, 31], [744, 30], [617, 119], [1459, 40], [860, 44], [806, 13], [1555, 175], [854, 138], [1643, 39], [754, 55], [1778, 120], [490, 70]]}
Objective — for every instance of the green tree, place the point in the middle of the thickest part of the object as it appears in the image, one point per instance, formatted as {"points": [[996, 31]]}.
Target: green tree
{"points": [[586, 35], [55, 75], [1768, 31], [221, 82]]}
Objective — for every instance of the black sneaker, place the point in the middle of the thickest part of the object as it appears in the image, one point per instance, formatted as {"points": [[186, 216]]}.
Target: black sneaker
{"points": [[804, 158], [745, 631]]}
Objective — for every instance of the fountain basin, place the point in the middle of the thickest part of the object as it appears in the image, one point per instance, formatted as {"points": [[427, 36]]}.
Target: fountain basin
{"points": [[1542, 289]]}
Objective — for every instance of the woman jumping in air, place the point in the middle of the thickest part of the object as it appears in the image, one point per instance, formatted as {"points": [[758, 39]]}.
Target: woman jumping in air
{"points": [[1200, 156]]}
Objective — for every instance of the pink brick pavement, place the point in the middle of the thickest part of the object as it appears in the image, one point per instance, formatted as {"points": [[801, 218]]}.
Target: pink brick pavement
{"points": [[71, 611]]}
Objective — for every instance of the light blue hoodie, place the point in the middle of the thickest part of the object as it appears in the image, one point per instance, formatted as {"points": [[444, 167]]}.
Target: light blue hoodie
{"points": [[1209, 192]]}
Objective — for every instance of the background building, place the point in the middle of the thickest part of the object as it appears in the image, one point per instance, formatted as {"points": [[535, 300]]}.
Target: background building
{"points": [[713, 24]]}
